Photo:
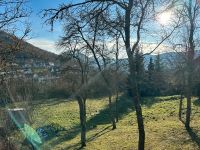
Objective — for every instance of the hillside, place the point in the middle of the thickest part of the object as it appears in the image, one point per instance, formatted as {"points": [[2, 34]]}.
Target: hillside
{"points": [[166, 58], [163, 129], [26, 50], [25, 60]]}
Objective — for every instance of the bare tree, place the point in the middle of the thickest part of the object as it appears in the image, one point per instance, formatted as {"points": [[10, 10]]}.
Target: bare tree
{"points": [[117, 36], [192, 10], [90, 35], [185, 43], [132, 16], [12, 12], [178, 66], [76, 65]]}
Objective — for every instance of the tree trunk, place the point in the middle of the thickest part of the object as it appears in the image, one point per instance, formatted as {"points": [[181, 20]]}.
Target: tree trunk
{"points": [[116, 107], [133, 77], [190, 65], [180, 107], [138, 109], [111, 113], [188, 112], [136, 99], [189, 86], [82, 110]]}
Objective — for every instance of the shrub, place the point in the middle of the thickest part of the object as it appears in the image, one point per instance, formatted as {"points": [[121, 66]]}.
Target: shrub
{"points": [[57, 93]]}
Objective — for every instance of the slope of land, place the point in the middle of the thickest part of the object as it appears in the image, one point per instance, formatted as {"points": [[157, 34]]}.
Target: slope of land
{"points": [[163, 129], [9, 43]]}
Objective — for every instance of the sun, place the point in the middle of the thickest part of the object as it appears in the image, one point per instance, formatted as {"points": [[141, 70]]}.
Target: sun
{"points": [[164, 18]]}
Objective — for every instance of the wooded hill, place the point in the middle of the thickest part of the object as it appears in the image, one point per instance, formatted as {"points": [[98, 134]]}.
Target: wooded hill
{"points": [[17, 48]]}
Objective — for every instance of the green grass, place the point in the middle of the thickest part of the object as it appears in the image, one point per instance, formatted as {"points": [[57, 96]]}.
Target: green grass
{"points": [[163, 129]]}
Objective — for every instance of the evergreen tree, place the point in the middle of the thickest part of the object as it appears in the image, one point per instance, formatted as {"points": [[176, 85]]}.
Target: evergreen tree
{"points": [[139, 62], [150, 79], [158, 63], [151, 69], [140, 69], [198, 90], [159, 77]]}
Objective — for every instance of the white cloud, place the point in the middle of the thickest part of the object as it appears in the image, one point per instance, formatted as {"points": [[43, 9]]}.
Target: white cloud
{"points": [[50, 45], [45, 44], [145, 47], [149, 47]]}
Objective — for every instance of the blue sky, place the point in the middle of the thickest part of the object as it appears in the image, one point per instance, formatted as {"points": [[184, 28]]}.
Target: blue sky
{"points": [[41, 36]]}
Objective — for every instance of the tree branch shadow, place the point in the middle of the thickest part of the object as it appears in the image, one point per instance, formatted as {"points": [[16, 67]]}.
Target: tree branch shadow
{"points": [[181, 120], [125, 106], [197, 102], [102, 118], [194, 136], [93, 137], [100, 133]]}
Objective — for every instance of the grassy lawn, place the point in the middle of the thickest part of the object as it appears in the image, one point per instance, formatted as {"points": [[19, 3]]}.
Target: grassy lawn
{"points": [[163, 129]]}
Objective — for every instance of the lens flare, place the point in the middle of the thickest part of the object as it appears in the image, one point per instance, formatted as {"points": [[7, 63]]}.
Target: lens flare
{"points": [[164, 18]]}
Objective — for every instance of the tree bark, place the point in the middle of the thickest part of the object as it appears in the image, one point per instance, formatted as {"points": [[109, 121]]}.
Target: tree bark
{"points": [[111, 113], [133, 76], [141, 142], [82, 110], [116, 107], [138, 109], [188, 112], [180, 107], [136, 99], [190, 65]]}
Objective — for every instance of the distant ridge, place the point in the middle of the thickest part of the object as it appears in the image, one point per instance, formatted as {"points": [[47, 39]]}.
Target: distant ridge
{"points": [[26, 49]]}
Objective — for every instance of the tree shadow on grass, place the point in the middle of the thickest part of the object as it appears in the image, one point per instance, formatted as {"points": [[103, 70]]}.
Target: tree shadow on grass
{"points": [[125, 106], [149, 101], [100, 133], [194, 136], [196, 102], [74, 146], [66, 135], [49, 102], [77, 146], [72, 133], [51, 131]]}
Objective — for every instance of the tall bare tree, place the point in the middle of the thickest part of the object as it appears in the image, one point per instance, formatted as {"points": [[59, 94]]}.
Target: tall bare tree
{"points": [[131, 17], [90, 35], [186, 42], [12, 12], [76, 68], [191, 11]]}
